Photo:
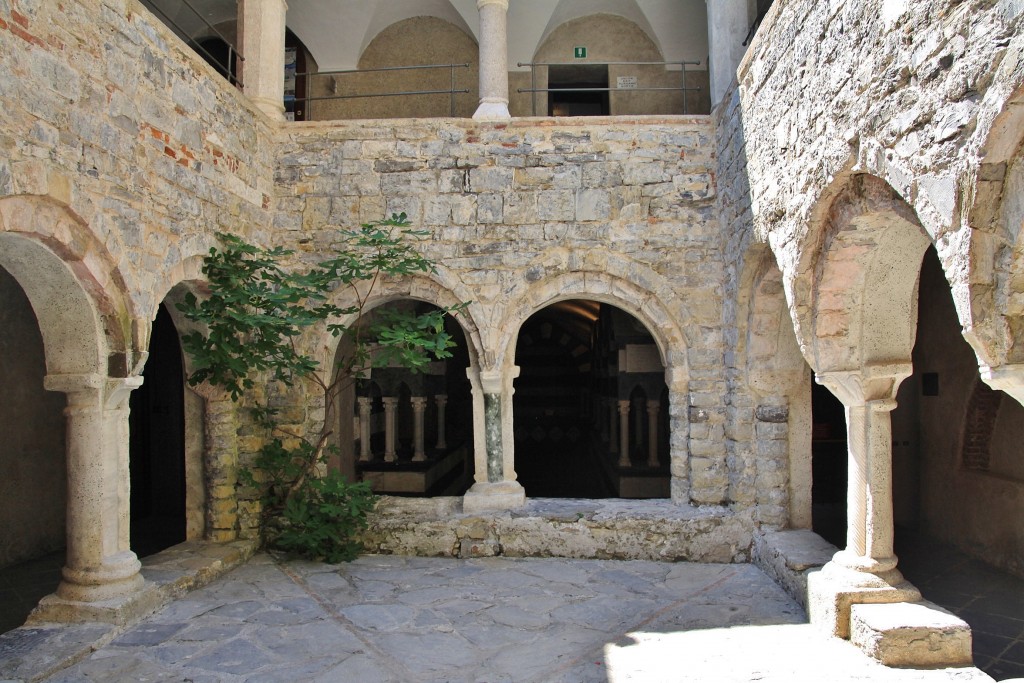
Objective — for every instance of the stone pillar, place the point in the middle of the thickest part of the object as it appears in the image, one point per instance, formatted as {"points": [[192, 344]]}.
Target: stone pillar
{"points": [[728, 24], [261, 25], [365, 408], [624, 433], [419, 405], [390, 408], [638, 424], [652, 433], [493, 61], [866, 570], [496, 486], [1008, 378], [613, 419], [100, 565], [441, 400], [220, 463]]}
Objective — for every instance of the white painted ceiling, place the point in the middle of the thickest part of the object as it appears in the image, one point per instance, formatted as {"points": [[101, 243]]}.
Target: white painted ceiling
{"points": [[337, 31]]}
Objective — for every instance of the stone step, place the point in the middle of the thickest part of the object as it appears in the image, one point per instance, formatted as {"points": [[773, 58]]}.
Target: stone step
{"points": [[918, 634]]}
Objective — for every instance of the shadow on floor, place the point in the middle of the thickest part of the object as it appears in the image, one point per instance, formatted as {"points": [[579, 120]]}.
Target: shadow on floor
{"points": [[987, 598], [23, 585]]}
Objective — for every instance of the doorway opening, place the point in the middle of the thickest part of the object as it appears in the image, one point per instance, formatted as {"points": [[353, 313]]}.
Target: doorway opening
{"points": [[157, 444], [829, 464], [590, 405], [568, 94]]}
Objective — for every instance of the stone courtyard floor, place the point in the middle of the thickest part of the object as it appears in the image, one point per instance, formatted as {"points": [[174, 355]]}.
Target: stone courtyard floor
{"points": [[409, 619]]}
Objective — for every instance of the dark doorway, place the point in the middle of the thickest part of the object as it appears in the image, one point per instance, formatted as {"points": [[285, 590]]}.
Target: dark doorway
{"points": [[157, 445], [829, 460], [565, 83], [574, 358]]}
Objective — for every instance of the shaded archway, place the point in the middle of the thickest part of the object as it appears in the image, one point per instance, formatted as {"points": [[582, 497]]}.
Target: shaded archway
{"points": [[33, 469], [587, 404], [407, 433], [157, 444]]}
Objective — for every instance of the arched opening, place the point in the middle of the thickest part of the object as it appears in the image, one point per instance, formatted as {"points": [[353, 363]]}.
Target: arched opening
{"points": [[587, 405], [157, 444], [828, 466], [33, 467], [408, 433]]}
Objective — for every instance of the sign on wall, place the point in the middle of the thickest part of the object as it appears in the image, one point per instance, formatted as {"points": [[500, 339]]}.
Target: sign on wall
{"points": [[625, 82], [579, 52]]}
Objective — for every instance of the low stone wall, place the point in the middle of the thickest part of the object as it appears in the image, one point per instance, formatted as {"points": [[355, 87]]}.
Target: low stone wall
{"points": [[605, 529]]}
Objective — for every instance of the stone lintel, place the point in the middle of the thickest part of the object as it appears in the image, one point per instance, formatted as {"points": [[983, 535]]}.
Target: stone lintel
{"points": [[833, 590]]}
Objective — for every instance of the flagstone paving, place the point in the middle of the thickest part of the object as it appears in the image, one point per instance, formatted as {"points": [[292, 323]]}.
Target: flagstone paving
{"points": [[495, 620]]}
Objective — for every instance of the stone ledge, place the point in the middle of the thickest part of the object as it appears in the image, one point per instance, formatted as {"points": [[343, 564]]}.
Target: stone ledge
{"points": [[55, 637], [789, 556], [574, 528], [911, 634]]}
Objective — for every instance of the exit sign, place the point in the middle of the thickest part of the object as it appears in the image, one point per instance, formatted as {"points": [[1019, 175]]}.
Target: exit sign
{"points": [[579, 52]]}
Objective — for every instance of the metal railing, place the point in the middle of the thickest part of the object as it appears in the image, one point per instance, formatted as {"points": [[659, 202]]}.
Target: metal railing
{"points": [[228, 70], [533, 89], [452, 91]]}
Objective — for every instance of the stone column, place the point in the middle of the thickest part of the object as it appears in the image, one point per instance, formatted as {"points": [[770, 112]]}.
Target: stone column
{"points": [[728, 24], [866, 570], [441, 400], [365, 408], [613, 419], [496, 486], [390, 408], [493, 61], [419, 405], [100, 565], [652, 433], [261, 25], [624, 460], [638, 423]]}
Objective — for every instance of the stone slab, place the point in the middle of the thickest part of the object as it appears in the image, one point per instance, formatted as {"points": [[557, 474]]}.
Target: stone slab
{"points": [[911, 634]]}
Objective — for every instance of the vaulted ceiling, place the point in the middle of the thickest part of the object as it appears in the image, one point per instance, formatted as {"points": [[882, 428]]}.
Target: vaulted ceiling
{"points": [[337, 31]]}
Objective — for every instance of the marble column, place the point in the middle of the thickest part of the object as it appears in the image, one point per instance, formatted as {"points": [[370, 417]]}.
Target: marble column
{"points": [[493, 61], [100, 564], [390, 411], [624, 460], [441, 400], [728, 24], [652, 433], [365, 409], [261, 27], [495, 484], [419, 406]]}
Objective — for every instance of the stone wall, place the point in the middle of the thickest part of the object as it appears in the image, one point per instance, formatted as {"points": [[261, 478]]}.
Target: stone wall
{"points": [[524, 214], [123, 154]]}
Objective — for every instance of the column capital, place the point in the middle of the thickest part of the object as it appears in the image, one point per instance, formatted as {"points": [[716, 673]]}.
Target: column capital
{"points": [[109, 392], [418, 401], [503, 4], [874, 384], [492, 380], [390, 401], [624, 405], [364, 401], [1008, 378]]}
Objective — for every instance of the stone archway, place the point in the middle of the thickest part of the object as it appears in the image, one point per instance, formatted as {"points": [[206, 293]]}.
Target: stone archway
{"points": [[778, 378], [671, 352], [79, 301]]}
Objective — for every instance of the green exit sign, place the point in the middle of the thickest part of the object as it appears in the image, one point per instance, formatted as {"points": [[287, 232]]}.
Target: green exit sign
{"points": [[579, 52]]}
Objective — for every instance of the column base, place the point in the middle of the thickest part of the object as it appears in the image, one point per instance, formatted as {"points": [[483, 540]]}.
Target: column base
{"points": [[503, 495], [119, 611], [116, 578], [832, 592], [492, 111]]}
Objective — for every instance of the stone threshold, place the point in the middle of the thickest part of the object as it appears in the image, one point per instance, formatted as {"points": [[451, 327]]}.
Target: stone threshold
{"points": [[43, 646], [613, 529]]}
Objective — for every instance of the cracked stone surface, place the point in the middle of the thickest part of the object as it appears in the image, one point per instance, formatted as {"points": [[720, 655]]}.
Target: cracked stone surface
{"points": [[392, 619]]}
